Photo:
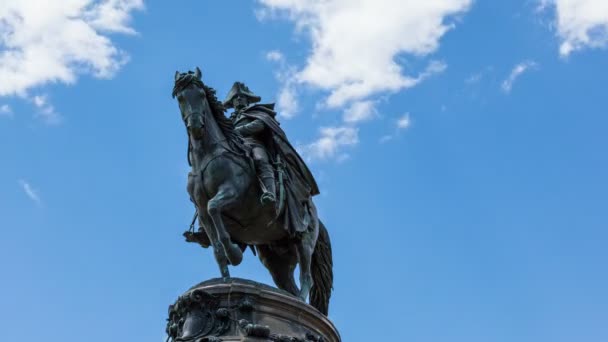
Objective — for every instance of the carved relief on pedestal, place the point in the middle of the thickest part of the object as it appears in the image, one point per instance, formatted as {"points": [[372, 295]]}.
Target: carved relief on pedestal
{"points": [[241, 310]]}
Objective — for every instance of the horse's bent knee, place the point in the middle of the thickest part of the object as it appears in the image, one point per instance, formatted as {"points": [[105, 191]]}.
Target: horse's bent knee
{"points": [[221, 201]]}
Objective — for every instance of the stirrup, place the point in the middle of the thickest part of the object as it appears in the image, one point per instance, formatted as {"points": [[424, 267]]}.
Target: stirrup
{"points": [[268, 198]]}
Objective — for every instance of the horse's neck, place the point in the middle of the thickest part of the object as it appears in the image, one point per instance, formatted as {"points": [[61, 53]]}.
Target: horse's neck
{"points": [[212, 140]]}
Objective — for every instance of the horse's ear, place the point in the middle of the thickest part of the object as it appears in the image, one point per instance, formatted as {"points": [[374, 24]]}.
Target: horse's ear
{"points": [[176, 75], [198, 73]]}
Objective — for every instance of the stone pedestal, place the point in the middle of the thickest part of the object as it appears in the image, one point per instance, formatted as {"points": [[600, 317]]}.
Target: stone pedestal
{"points": [[243, 310]]}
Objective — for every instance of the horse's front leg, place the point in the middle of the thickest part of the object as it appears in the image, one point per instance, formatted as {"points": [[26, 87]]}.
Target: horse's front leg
{"points": [[195, 189], [225, 198], [218, 250]]}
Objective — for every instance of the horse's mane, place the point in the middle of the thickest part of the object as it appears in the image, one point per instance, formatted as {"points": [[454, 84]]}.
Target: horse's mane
{"points": [[217, 108]]}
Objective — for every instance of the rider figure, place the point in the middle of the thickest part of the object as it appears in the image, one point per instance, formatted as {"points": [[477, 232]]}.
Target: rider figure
{"points": [[248, 125]]}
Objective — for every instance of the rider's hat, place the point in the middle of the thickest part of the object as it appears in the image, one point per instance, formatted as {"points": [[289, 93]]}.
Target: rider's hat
{"points": [[240, 88]]}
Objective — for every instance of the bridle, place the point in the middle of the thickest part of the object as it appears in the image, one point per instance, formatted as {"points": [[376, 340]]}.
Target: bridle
{"points": [[185, 118]]}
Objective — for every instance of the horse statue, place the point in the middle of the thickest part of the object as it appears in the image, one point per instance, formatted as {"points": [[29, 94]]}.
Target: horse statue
{"points": [[225, 190]]}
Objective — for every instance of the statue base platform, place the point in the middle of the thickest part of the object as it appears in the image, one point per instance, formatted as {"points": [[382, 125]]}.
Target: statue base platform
{"points": [[243, 310]]}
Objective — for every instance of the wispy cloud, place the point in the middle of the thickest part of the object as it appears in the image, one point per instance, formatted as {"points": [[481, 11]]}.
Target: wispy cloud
{"points": [[580, 23], [59, 41], [516, 72], [29, 191], [353, 58], [360, 111], [330, 142], [477, 77], [474, 78], [404, 121], [287, 97], [401, 124], [46, 111], [6, 111], [275, 56], [386, 138], [347, 38]]}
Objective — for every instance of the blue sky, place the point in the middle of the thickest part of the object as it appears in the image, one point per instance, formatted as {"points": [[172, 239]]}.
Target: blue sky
{"points": [[459, 146]]}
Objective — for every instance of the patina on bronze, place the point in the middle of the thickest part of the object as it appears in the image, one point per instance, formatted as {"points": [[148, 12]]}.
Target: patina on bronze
{"points": [[251, 188], [243, 310], [257, 125]]}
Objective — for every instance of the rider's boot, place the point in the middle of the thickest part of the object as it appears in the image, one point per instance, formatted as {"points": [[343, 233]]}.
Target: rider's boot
{"points": [[266, 173]]}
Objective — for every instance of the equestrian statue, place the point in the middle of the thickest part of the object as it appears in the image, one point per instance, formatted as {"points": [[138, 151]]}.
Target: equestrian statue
{"points": [[252, 189]]}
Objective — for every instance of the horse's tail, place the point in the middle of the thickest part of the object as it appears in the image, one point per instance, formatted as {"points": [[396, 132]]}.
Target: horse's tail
{"points": [[322, 272]]}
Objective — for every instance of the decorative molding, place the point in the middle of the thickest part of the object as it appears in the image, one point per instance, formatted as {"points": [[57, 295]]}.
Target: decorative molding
{"points": [[236, 309], [197, 315]]}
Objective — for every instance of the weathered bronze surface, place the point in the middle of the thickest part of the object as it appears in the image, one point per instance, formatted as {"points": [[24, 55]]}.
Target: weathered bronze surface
{"points": [[243, 310], [252, 189]]}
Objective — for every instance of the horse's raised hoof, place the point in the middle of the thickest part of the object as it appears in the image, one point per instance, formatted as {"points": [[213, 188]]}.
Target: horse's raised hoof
{"points": [[234, 254], [189, 236], [197, 237]]}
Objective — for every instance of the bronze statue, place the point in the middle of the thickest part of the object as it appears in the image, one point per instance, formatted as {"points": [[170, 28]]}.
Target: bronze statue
{"points": [[251, 125], [251, 188], [257, 125]]}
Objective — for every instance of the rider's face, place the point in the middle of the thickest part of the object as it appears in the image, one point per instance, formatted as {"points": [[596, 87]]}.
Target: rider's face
{"points": [[240, 101]]}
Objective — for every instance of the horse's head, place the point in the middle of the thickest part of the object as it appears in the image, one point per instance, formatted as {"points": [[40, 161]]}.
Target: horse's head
{"points": [[192, 99]]}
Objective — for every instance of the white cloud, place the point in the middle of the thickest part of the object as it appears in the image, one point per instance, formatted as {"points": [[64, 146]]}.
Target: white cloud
{"points": [[6, 111], [330, 142], [360, 111], [44, 42], [350, 91], [113, 15], [29, 191], [46, 111], [287, 100], [354, 59], [275, 56], [517, 71], [474, 78], [355, 43], [580, 23], [386, 138], [342, 158], [479, 76], [404, 121], [40, 100]]}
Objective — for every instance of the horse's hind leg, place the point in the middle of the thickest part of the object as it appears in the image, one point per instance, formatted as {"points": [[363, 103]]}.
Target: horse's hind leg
{"points": [[224, 199], [281, 267], [305, 247]]}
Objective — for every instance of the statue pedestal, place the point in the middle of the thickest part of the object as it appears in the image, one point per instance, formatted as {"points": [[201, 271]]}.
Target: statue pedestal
{"points": [[244, 310]]}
